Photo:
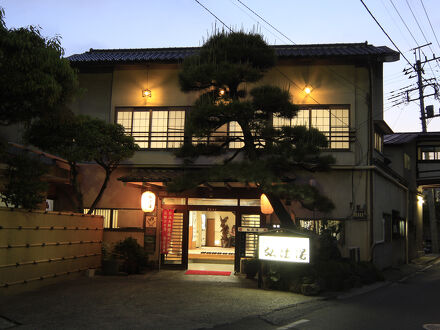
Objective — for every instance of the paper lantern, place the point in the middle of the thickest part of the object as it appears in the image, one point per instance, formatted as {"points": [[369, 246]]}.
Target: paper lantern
{"points": [[148, 201], [266, 208]]}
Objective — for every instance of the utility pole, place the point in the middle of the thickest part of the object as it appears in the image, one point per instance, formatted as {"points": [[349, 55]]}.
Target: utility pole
{"points": [[430, 192], [418, 68]]}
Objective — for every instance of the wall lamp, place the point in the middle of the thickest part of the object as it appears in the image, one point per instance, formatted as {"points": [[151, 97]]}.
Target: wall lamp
{"points": [[146, 93], [308, 89]]}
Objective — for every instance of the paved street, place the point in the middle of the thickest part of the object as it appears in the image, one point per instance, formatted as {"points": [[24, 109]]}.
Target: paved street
{"points": [[165, 300], [172, 300], [412, 303]]}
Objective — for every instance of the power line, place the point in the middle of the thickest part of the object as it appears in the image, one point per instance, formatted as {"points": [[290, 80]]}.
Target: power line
{"points": [[218, 19], [273, 27], [383, 30], [394, 21], [426, 13], [417, 21], [404, 23]]}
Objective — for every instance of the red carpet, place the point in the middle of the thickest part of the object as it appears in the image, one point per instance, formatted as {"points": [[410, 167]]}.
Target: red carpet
{"points": [[207, 272]]}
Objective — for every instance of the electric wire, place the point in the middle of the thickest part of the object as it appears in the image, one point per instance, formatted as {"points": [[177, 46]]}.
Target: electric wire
{"points": [[383, 30], [218, 19], [296, 85], [273, 27], [426, 13], [404, 23], [395, 23]]}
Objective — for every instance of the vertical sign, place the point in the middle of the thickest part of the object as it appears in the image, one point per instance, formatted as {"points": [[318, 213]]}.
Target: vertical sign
{"points": [[167, 228]]}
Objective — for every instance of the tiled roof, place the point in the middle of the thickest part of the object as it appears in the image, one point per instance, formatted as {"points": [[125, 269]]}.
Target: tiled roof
{"points": [[286, 51], [402, 138]]}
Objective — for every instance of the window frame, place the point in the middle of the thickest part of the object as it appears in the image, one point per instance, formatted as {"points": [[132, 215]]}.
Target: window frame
{"points": [[150, 133], [329, 107], [435, 151]]}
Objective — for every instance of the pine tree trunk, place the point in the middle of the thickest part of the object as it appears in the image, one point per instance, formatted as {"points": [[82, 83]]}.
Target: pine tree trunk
{"points": [[76, 188], [108, 172], [281, 212]]}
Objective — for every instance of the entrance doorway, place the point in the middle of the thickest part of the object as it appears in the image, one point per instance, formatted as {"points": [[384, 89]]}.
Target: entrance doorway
{"points": [[211, 240]]}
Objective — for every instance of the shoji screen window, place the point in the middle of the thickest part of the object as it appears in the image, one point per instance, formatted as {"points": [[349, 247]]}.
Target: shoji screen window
{"points": [[155, 128]]}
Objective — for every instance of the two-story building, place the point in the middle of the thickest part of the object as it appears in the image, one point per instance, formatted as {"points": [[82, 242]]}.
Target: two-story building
{"points": [[416, 156], [339, 88]]}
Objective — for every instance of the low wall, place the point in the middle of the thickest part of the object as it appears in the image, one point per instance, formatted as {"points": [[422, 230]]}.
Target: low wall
{"points": [[115, 235], [36, 246]]}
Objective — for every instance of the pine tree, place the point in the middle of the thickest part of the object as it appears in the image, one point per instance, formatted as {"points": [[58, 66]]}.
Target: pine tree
{"points": [[222, 72]]}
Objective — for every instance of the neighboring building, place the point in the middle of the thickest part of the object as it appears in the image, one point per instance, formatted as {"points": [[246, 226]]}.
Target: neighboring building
{"points": [[56, 178], [416, 156], [374, 203]]}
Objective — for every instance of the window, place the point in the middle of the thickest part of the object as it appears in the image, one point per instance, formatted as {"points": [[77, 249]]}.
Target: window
{"points": [[229, 130], [429, 153], [153, 127], [335, 227], [378, 142], [333, 122], [110, 216], [406, 161]]}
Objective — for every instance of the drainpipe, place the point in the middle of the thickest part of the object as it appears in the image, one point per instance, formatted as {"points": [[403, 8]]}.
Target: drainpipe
{"points": [[369, 159]]}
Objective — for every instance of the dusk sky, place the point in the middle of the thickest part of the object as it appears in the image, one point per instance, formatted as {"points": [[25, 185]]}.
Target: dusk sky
{"points": [[175, 23]]}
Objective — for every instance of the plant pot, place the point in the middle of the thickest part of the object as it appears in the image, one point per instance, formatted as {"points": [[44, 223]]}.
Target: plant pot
{"points": [[250, 268]]}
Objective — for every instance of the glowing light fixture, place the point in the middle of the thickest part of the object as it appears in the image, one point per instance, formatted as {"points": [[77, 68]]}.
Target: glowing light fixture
{"points": [[146, 93], [308, 89], [148, 201], [420, 200], [221, 92], [266, 208]]}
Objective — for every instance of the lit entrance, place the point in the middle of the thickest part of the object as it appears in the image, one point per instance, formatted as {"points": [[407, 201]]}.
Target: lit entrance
{"points": [[212, 234], [211, 240]]}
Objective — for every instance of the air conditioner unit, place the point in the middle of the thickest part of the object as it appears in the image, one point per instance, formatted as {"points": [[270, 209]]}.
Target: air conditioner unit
{"points": [[355, 253]]}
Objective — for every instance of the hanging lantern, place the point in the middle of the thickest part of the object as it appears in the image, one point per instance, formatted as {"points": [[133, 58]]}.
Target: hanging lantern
{"points": [[266, 208], [148, 201]]}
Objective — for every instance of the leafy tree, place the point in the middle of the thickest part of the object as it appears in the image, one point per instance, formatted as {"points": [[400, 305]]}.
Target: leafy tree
{"points": [[83, 139], [109, 146], [222, 71], [34, 78], [23, 181]]}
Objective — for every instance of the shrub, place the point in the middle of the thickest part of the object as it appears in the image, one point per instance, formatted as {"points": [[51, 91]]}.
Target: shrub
{"points": [[132, 254]]}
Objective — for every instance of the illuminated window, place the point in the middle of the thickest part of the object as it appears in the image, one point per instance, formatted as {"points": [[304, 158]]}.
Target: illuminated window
{"points": [[429, 153], [153, 128], [230, 131], [333, 122], [110, 216], [406, 161], [378, 142]]}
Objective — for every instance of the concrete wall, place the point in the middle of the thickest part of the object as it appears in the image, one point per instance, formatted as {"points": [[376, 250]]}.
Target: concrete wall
{"points": [[38, 246]]}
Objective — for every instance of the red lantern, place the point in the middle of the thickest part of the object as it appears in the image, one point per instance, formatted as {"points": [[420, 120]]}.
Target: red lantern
{"points": [[266, 208], [148, 201]]}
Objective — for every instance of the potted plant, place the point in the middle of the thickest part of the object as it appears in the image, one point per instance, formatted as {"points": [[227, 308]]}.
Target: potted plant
{"points": [[132, 255], [250, 267]]}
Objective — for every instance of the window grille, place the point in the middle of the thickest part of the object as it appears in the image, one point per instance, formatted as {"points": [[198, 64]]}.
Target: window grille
{"points": [[110, 216], [153, 128]]}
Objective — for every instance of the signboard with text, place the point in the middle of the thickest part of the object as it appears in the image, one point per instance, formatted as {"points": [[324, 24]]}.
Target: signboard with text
{"points": [[287, 249], [252, 229], [167, 229]]}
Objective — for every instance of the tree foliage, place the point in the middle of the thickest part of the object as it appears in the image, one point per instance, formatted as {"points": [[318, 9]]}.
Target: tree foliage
{"points": [[34, 78], [222, 71], [82, 139], [24, 187]]}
